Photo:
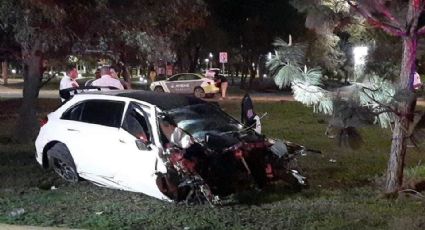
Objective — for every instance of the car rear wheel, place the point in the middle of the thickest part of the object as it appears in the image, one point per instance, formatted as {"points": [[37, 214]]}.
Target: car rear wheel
{"points": [[199, 92], [159, 89], [61, 161]]}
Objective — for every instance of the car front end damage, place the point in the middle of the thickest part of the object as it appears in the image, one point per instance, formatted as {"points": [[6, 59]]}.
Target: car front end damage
{"points": [[228, 163]]}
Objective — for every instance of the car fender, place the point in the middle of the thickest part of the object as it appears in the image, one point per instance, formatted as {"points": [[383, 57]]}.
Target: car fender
{"points": [[160, 83]]}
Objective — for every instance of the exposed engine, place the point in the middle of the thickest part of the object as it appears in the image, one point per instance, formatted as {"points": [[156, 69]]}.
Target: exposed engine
{"points": [[228, 163]]}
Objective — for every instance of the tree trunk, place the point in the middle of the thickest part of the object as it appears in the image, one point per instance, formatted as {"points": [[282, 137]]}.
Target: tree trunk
{"points": [[194, 59], [398, 146], [4, 72], [252, 73], [27, 125]]}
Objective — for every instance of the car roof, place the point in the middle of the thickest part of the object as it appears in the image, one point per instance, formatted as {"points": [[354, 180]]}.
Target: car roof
{"points": [[165, 101], [197, 74], [187, 73]]}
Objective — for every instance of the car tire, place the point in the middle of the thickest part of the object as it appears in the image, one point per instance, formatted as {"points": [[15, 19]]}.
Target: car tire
{"points": [[159, 89], [199, 92], [61, 161]]}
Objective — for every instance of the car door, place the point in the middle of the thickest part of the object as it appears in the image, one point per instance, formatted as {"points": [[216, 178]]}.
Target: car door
{"points": [[92, 130], [171, 83], [139, 162], [179, 84], [193, 81]]}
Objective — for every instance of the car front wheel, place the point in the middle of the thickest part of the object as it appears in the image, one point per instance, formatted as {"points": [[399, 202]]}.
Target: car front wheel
{"points": [[199, 92], [61, 161]]}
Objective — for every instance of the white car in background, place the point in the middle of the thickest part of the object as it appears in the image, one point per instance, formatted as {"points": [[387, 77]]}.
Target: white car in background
{"points": [[187, 83]]}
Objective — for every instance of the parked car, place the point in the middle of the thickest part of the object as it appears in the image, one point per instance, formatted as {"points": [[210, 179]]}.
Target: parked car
{"points": [[168, 146], [186, 83], [211, 72]]}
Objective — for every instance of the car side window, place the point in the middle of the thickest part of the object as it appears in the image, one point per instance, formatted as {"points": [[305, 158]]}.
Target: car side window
{"points": [[135, 122], [174, 78], [73, 113], [181, 77], [191, 77], [100, 112]]}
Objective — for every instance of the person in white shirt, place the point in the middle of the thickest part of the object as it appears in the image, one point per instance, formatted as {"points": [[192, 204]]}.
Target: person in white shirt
{"points": [[68, 82], [106, 80], [417, 84]]}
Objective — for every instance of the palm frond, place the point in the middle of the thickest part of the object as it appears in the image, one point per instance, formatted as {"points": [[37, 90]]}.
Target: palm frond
{"points": [[286, 75], [279, 43], [294, 53], [312, 76], [312, 95]]}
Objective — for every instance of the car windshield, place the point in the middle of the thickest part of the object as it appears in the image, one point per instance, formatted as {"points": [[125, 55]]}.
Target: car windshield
{"points": [[204, 118]]}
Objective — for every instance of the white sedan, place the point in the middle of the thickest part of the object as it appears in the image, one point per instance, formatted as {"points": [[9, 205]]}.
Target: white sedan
{"points": [[171, 147], [186, 83]]}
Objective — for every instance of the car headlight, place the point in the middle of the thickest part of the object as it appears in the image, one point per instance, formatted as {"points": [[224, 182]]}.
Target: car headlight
{"points": [[143, 81]]}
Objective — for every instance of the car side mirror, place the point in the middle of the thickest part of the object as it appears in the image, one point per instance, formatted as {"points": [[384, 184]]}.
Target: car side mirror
{"points": [[143, 145]]}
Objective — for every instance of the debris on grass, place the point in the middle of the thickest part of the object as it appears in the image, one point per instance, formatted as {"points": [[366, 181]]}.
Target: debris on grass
{"points": [[16, 213]]}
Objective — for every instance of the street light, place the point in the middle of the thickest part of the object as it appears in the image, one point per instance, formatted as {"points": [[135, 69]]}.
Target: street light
{"points": [[211, 57], [360, 53], [206, 63]]}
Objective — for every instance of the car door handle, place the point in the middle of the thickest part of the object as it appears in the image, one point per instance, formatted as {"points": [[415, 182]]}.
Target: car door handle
{"points": [[73, 130], [121, 141]]}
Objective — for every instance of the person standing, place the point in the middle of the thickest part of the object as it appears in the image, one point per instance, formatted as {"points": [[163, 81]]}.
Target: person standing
{"points": [[96, 76], [417, 84], [68, 82], [114, 74], [222, 83], [125, 75], [152, 74], [106, 80]]}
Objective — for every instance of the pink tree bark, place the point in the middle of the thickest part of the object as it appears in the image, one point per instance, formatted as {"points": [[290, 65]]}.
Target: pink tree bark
{"points": [[409, 33]]}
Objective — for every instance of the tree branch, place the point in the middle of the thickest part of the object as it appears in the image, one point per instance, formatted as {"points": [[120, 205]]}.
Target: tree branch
{"points": [[385, 11], [390, 29], [388, 108], [421, 31]]}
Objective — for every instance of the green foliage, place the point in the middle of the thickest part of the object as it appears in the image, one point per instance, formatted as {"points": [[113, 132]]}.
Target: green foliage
{"points": [[415, 173], [284, 64], [326, 52], [285, 74], [375, 95], [289, 52]]}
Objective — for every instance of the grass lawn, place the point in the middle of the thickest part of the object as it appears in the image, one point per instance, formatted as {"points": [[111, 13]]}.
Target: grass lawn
{"points": [[344, 192]]}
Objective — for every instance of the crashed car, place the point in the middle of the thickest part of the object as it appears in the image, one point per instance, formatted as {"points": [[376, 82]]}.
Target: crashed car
{"points": [[171, 147], [187, 83]]}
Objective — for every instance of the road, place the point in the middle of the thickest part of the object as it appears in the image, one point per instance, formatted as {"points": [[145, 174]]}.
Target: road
{"points": [[8, 93]]}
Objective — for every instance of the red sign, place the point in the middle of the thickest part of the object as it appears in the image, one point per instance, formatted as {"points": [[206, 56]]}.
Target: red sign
{"points": [[223, 57], [169, 70]]}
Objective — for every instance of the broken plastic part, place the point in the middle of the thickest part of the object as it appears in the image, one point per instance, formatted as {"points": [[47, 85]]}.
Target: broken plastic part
{"points": [[279, 148]]}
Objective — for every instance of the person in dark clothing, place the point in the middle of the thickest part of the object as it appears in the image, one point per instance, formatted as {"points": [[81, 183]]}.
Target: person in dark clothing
{"points": [[222, 83], [248, 116]]}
